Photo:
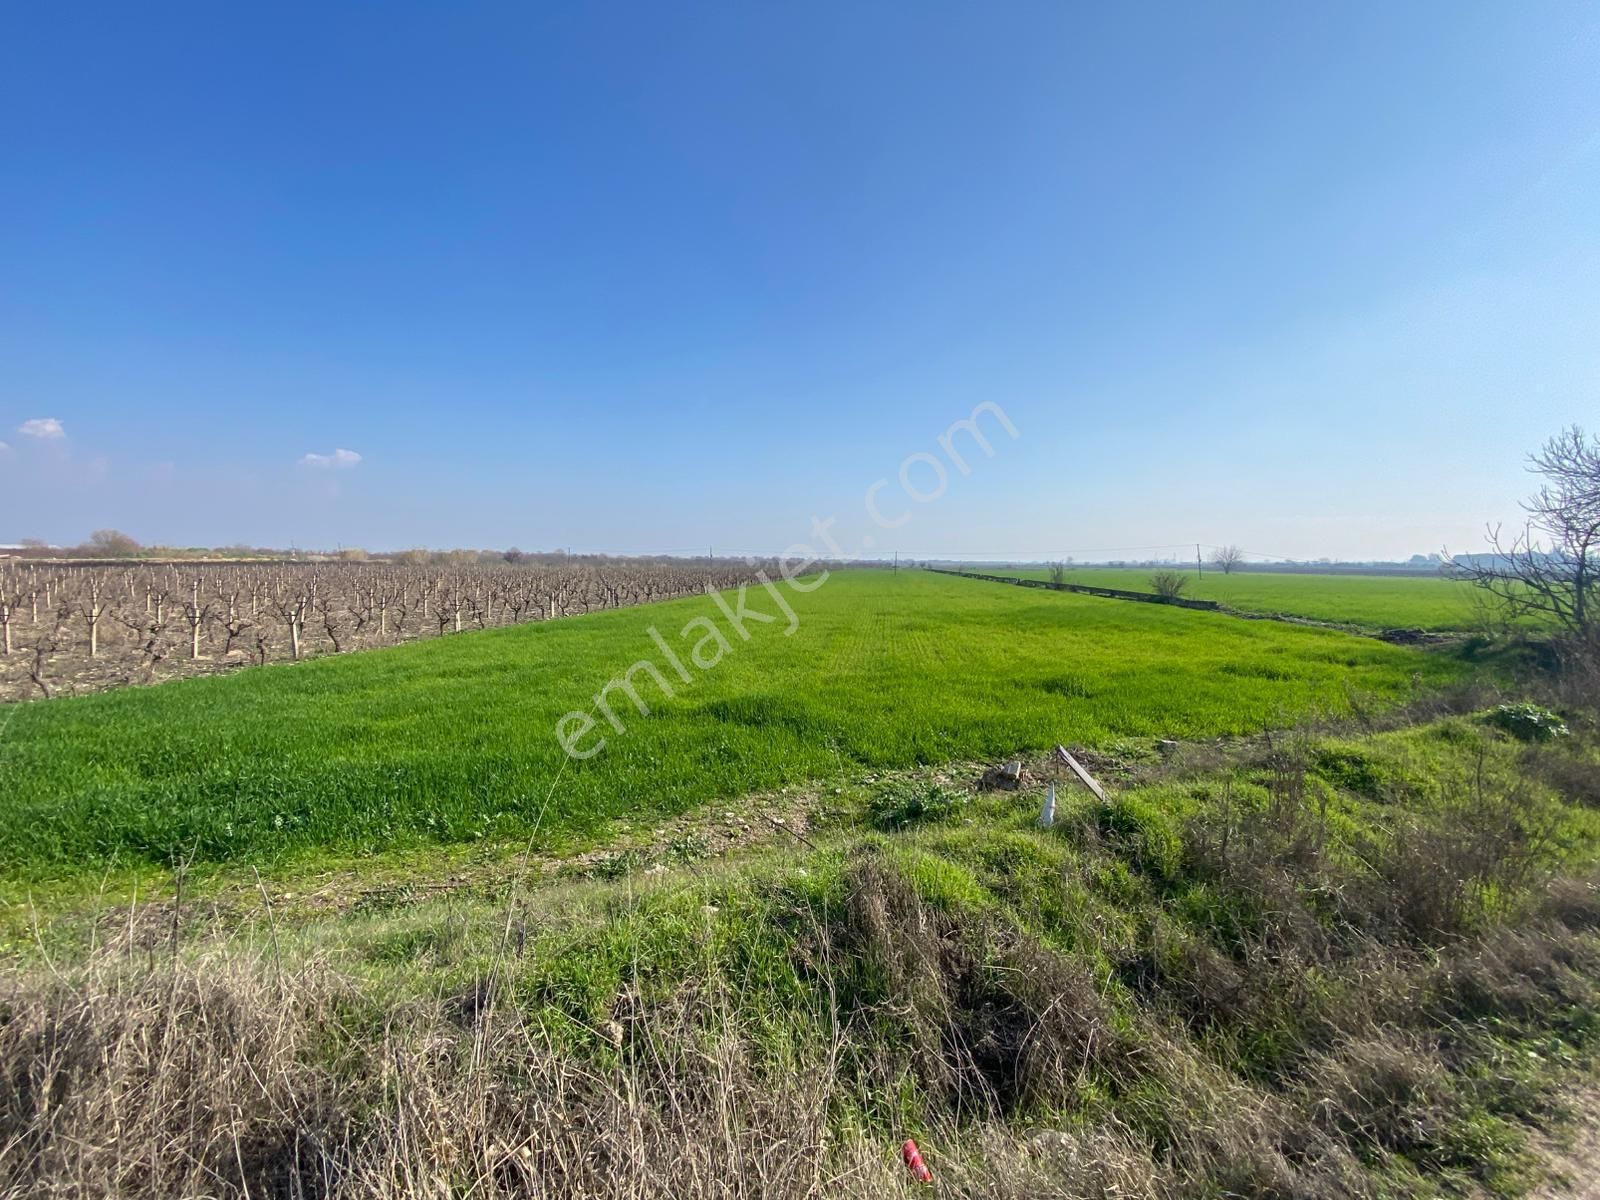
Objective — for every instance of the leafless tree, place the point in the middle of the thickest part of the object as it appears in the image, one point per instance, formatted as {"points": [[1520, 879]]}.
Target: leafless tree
{"points": [[43, 647], [1229, 559], [1058, 573], [112, 543], [1551, 567], [329, 612], [234, 628], [149, 632]]}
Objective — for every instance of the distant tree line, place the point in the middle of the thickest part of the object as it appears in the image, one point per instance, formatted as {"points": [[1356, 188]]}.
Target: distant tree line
{"points": [[105, 544]]}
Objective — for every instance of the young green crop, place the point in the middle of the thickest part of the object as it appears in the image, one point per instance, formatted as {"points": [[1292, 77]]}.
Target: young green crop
{"points": [[453, 741], [1370, 601]]}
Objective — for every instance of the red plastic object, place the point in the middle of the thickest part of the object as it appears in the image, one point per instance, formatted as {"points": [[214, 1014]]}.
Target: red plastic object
{"points": [[914, 1164]]}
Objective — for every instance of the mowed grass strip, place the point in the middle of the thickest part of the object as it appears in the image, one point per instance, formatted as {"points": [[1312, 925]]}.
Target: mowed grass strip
{"points": [[451, 741], [1369, 601]]}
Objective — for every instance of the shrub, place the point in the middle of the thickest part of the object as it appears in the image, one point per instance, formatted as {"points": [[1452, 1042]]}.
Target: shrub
{"points": [[1351, 769], [911, 802], [617, 865], [688, 848], [1441, 873], [1168, 584], [1528, 722]]}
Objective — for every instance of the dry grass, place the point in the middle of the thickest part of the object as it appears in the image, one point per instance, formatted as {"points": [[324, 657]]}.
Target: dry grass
{"points": [[215, 1077], [220, 1073]]}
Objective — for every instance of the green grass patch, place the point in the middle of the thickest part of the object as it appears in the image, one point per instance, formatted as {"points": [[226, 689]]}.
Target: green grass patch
{"points": [[1368, 601]]}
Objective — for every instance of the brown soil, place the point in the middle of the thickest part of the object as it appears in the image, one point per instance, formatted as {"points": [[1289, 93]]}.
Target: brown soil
{"points": [[1572, 1153]]}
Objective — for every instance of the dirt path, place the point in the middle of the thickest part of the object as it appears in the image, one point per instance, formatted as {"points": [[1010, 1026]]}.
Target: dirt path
{"points": [[1574, 1153]]}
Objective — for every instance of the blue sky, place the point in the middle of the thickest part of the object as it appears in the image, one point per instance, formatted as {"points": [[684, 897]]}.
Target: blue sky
{"points": [[1308, 279]]}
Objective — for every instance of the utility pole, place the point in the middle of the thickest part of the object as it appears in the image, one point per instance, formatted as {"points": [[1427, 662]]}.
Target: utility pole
{"points": [[897, 562], [1198, 566]]}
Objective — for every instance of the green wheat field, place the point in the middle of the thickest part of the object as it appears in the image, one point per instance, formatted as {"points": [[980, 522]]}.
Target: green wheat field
{"points": [[453, 741], [1368, 601]]}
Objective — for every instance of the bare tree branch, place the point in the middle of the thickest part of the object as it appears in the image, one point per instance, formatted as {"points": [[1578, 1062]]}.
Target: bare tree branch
{"points": [[1548, 567]]}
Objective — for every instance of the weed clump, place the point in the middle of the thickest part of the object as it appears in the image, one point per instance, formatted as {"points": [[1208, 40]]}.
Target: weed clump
{"points": [[995, 1024], [617, 865], [913, 802], [1528, 722], [1379, 1090]]}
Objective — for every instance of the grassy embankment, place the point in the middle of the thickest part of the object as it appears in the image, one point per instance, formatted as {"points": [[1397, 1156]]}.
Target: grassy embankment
{"points": [[1336, 966]]}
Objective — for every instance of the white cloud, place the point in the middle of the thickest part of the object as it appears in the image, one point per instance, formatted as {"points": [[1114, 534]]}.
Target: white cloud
{"points": [[4, 448], [338, 460], [42, 427]]}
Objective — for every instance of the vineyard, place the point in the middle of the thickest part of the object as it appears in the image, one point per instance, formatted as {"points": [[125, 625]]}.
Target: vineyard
{"points": [[71, 628]]}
